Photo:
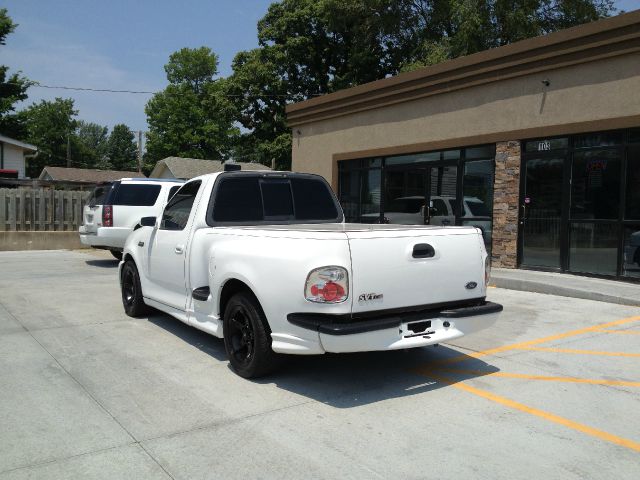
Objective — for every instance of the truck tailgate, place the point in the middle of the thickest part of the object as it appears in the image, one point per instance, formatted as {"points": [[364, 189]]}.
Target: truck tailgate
{"points": [[414, 267]]}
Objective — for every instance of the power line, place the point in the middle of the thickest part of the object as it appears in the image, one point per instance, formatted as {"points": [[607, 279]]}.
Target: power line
{"points": [[87, 89], [147, 92]]}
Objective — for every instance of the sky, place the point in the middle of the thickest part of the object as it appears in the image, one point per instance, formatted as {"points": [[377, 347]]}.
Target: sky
{"points": [[124, 45], [120, 45]]}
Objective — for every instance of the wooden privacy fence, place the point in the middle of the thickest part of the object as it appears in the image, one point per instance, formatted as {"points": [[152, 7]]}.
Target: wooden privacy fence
{"points": [[41, 209]]}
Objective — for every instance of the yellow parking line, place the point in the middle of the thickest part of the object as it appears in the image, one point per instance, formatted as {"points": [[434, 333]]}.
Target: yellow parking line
{"points": [[594, 432], [523, 345], [580, 352], [589, 381], [622, 332]]}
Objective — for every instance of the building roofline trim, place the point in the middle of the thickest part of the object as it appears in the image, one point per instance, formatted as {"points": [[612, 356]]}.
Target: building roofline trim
{"points": [[517, 135], [18, 143], [585, 43]]}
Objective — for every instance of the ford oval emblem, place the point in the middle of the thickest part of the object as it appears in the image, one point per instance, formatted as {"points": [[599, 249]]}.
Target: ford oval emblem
{"points": [[471, 285]]}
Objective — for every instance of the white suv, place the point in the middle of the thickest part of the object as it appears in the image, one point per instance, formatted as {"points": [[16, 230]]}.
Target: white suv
{"points": [[114, 209]]}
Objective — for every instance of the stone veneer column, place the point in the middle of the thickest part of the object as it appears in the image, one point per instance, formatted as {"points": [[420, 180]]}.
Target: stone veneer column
{"points": [[505, 205]]}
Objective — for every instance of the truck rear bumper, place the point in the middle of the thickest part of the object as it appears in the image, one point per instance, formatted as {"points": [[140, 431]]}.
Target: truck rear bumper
{"points": [[403, 330]]}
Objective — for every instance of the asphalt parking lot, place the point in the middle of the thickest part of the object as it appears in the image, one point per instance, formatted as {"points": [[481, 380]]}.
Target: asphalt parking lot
{"points": [[552, 391]]}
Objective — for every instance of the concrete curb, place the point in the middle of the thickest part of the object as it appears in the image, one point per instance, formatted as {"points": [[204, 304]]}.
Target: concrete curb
{"points": [[587, 291]]}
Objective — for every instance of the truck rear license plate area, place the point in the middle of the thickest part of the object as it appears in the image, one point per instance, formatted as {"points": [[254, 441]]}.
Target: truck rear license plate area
{"points": [[417, 329]]}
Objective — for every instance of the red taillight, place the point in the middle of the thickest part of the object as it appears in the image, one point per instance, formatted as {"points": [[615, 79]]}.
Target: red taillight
{"points": [[107, 216], [327, 285], [330, 291]]}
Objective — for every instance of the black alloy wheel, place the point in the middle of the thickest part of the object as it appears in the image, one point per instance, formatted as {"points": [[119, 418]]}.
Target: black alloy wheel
{"points": [[247, 337], [241, 336], [132, 300]]}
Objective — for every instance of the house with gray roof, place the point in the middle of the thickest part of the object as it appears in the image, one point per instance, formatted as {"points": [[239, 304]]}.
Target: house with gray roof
{"points": [[85, 175], [186, 168]]}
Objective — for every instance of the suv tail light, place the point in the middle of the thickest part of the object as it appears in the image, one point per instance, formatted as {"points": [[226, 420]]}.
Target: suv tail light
{"points": [[107, 216], [487, 270], [327, 285]]}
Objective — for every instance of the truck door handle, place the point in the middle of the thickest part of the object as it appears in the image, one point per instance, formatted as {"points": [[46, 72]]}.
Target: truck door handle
{"points": [[423, 250], [179, 249]]}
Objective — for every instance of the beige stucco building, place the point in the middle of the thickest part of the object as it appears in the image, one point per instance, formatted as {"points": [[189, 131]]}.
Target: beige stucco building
{"points": [[537, 143]]}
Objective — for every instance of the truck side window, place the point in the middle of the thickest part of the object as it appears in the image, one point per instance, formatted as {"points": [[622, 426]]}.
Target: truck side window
{"points": [[176, 213], [238, 200]]}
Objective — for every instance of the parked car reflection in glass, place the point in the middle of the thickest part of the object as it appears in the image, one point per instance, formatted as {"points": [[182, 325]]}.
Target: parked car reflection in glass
{"points": [[632, 252]]}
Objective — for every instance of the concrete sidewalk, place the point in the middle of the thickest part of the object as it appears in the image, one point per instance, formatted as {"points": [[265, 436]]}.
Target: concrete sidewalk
{"points": [[566, 285]]}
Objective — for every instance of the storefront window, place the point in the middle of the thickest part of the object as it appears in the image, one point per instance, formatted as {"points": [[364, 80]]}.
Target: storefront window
{"points": [[594, 248], [478, 188], [372, 163], [370, 196], [484, 151], [631, 254], [421, 189], [349, 188], [595, 184], [632, 210], [601, 139], [451, 154], [417, 158]]}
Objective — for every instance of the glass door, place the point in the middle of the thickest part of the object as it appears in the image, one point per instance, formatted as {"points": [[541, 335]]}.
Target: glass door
{"points": [[541, 211]]}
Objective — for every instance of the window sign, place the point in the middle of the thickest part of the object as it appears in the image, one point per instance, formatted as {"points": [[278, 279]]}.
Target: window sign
{"points": [[546, 144]]}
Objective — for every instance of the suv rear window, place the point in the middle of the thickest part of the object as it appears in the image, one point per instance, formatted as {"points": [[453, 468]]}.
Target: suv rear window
{"points": [[246, 199], [99, 194], [136, 195]]}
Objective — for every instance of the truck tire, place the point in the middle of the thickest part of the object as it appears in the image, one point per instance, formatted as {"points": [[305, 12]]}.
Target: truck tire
{"points": [[247, 337], [132, 300], [117, 255]]}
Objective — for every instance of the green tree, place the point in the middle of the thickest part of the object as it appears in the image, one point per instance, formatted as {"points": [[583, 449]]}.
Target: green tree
{"points": [[452, 28], [309, 48], [89, 146], [49, 125], [259, 91], [191, 117], [13, 87], [312, 47], [122, 150]]}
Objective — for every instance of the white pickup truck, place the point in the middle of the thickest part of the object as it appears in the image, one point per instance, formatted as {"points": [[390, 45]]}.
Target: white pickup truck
{"points": [[265, 261]]}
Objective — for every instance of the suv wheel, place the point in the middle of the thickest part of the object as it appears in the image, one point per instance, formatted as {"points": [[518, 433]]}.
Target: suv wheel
{"points": [[116, 254]]}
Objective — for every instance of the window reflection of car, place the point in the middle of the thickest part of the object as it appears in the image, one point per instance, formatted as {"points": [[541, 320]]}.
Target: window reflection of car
{"points": [[632, 250], [410, 211]]}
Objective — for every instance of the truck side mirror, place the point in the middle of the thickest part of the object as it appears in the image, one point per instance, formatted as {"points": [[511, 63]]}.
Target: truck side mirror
{"points": [[148, 221]]}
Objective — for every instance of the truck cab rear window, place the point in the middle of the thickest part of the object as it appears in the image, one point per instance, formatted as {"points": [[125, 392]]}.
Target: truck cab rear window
{"points": [[253, 199], [136, 194]]}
